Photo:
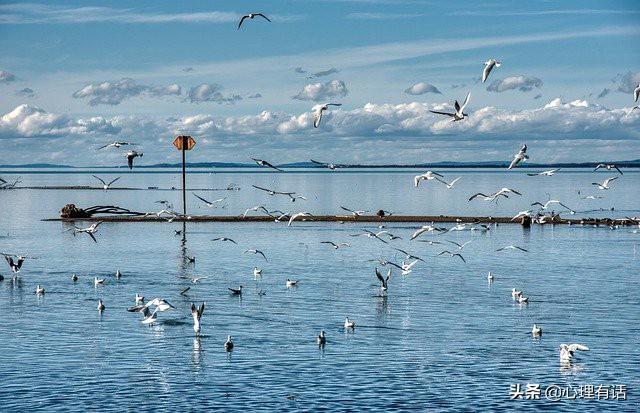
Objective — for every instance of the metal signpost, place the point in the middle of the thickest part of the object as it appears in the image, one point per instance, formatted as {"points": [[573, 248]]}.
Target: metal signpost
{"points": [[184, 143]]}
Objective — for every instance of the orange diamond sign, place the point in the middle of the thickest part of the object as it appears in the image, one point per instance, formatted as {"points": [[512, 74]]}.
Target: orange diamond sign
{"points": [[186, 142]]}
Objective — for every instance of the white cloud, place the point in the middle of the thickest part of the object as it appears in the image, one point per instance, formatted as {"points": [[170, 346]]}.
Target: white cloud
{"points": [[522, 83], [113, 93], [6, 77], [210, 93], [421, 88], [322, 91]]}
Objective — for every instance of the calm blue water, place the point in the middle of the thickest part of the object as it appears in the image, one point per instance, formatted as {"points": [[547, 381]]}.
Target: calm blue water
{"points": [[443, 339]]}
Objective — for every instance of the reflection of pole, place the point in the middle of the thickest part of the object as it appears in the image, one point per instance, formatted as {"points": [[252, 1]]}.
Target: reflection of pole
{"points": [[184, 178]]}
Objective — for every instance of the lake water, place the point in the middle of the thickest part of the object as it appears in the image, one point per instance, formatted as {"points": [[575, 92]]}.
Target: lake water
{"points": [[442, 340]]}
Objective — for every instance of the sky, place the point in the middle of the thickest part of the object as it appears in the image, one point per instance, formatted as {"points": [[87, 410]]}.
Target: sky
{"points": [[75, 75]]}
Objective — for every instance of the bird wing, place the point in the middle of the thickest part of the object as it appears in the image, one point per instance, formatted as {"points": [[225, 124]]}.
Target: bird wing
{"points": [[477, 195], [272, 167], [317, 118], [261, 188], [262, 15], [461, 257], [636, 93], [104, 146], [130, 161], [109, 184], [454, 181], [319, 163], [241, 21], [466, 101], [486, 71], [99, 179], [441, 113], [380, 277], [263, 256], [574, 347], [92, 237], [521, 249], [515, 161], [200, 310], [618, 169]]}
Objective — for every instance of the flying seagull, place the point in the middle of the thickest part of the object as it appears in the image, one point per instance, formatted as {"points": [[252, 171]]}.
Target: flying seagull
{"points": [[116, 144], [427, 176], [251, 16], [519, 157], [255, 251], [210, 204], [605, 184], [298, 215], [553, 201], [425, 228], [370, 234], [334, 245], [318, 115], [608, 167], [354, 213], [131, 155], [550, 172], [90, 230], [224, 239], [105, 185], [512, 247], [262, 162], [459, 113], [452, 183], [384, 281], [488, 67], [636, 93], [409, 256], [15, 266], [451, 254], [502, 192], [331, 166]]}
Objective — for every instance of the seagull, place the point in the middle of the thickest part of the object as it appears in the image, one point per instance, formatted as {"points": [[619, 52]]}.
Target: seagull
{"points": [[550, 172], [334, 245], [493, 196], [272, 192], [428, 176], [522, 214], [252, 16], [160, 303], [197, 314], [254, 209], [195, 280], [452, 183], [536, 330], [118, 274], [605, 184], [488, 67], [425, 228], [567, 350], [235, 291], [608, 167], [553, 201], [322, 340], [522, 299], [89, 230], [298, 215], [291, 283], [370, 234], [151, 318], [384, 281], [348, 323], [521, 156], [228, 345], [15, 266], [254, 251], [224, 239], [331, 166], [515, 293], [74, 278], [39, 290], [451, 255], [636, 93], [354, 213], [318, 115], [116, 144], [407, 267], [459, 113], [139, 299], [460, 246], [131, 155], [210, 204], [511, 247], [105, 185], [101, 306], [408, 255], [262, 162], [98, 281], [490, 277], [257, 272]]}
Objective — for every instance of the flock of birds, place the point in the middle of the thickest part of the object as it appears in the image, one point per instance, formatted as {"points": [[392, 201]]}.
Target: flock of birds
{"points": [[150, 309]]}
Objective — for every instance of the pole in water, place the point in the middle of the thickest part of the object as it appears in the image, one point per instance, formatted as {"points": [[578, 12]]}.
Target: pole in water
{"points": [[184, 143]]}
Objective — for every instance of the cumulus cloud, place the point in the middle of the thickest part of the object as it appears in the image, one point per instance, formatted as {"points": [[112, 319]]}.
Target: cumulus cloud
{"points": [[522, 83], [628, 82], [322, 91], [113, 93], [211, 93], [421, 88], [604, 93], [26, 92], [30, 121], [6, 77]]}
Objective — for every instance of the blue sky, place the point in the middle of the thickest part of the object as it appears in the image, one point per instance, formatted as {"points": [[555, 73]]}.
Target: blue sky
{"points": [[77, 74]]}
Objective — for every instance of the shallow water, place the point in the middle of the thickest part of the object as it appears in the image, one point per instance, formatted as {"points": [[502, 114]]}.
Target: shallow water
{"points": [[443, 339]]}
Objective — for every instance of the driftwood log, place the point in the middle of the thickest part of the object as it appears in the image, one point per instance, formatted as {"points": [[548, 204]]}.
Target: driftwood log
{"points": [[72, 211]]}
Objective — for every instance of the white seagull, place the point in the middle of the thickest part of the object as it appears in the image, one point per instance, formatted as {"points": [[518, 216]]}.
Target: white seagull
{"points": [[459, 113], [197, 314], [608, 167], [521, 156], [257, 272], [210, 204], [553, 201], [101, 306], [384, 281], [550, 172], [348, 323], [425, 228], [228, 345], [90, 230], [322, 339], [488, 67], [334, 245], [567, 351], [522, 214], [98, 281], [452, 183], [39, 290], [318, 115], [427, 176], [512, 247], [636, 93], [291, 283], [116, 144], [605, 184], [255, 251], [105, 185], [131, 155], [536, 330], [299, 215]]}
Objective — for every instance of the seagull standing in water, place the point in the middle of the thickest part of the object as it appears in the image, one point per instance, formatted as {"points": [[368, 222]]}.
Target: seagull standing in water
{"points": [[318, 115], [605, 184], [567, 351], [488, 67], [536, 330], [251, 16], [131, 155], [459, 113], [101, 306], [257, 272], [349, 323], [521, 156], [228, 345], [105, 185], [197, 314]]}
